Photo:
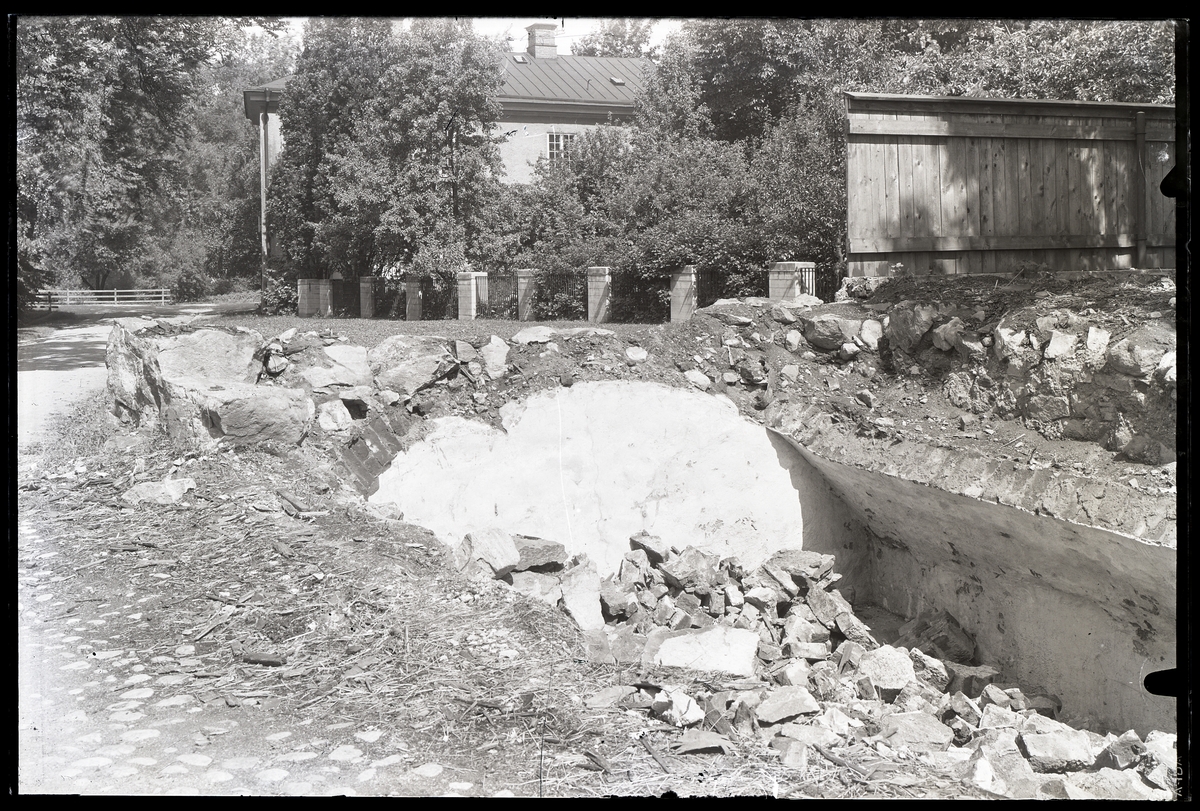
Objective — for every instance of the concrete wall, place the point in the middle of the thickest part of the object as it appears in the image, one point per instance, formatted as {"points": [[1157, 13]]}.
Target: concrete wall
{"points": [[521, 151], [1083, 612]]}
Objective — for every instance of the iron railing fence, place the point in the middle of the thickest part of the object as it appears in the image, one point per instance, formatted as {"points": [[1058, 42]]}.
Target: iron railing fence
{"points": [[496, 296], [713, 284], [640, 299], [559, 296]]}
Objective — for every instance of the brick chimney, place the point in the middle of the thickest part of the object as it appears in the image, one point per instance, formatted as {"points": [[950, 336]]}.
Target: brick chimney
{"points": [[541, 41]]}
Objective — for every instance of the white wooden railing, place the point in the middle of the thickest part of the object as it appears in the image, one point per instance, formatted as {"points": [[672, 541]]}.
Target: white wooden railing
{"points": [[50, 299]]}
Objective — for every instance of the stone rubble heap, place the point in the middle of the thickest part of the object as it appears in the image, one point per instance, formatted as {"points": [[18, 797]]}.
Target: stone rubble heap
{"points": [[810, 674]]}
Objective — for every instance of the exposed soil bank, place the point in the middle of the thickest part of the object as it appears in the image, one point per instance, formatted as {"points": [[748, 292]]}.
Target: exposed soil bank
{"points": [[1080, 611]]}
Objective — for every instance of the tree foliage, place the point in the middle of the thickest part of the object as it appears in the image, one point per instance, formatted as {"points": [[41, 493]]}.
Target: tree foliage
{"points": [[389, 150], [623, 37], [107, 127]]}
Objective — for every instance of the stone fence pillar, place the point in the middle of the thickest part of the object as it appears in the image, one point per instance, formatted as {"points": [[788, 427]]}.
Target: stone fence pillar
{"points": [[366, 296], [412, 299], [599, 294], [525, 290], [313, 297], [788, 280], [683, 293], [470, 284]]}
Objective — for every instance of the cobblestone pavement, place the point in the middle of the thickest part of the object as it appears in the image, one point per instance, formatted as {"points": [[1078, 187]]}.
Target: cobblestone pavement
{"points": [[99, 714], [96, 717]]}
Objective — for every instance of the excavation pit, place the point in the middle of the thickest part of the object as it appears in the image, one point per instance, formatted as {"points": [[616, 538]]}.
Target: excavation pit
{"points": [[1084, 612]]}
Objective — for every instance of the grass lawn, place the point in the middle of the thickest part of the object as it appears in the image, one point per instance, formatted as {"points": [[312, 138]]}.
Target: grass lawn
{"points": [[370, 332]]}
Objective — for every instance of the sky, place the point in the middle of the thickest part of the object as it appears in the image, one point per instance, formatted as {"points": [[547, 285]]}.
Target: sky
{"points": [[570, 29]]}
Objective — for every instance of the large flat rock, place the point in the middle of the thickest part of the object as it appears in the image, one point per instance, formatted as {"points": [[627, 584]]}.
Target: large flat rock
{"points": [[591, 465]]}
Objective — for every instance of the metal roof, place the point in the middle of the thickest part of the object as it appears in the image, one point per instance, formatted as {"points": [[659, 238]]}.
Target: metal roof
{"points": [[572, 79]]}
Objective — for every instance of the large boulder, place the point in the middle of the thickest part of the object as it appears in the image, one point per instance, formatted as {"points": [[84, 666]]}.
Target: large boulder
{"points": [[407, 363], [907, 325], [825, 331], [337, 365], [135, 381], [211, 354], [241, 413], [1138, 355]]}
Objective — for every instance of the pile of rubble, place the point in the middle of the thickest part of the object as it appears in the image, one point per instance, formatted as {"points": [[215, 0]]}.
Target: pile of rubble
{"points": [[810, 674]]}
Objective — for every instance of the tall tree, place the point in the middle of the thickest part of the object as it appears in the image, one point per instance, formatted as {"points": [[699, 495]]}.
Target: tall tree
{"points": [[102, 126], [389, 144], [617, 37]]}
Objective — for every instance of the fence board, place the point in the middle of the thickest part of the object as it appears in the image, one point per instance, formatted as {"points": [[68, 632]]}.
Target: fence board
{"points": [[969, 185]]}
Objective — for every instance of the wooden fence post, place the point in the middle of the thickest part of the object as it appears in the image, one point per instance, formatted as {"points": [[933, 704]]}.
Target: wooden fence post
{"points": [[1140, 183]]}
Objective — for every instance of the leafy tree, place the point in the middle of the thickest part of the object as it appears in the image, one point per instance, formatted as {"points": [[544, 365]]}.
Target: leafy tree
{"points": [[104, 118], [389, 147], [617, 37]]}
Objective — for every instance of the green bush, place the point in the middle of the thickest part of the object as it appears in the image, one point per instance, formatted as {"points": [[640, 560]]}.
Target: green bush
{"points": [[279, 297], [190, 285]]}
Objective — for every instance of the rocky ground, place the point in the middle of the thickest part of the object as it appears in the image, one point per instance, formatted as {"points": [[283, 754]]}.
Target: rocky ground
{"points": [[232, 617]]}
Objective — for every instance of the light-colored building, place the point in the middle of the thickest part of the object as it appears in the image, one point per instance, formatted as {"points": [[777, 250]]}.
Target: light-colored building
{"points": [[548, 99]]}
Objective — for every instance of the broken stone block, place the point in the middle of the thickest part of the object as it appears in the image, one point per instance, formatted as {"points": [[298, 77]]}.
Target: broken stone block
{"points": [[907, 325], [617, 602], [691, 569], [929, 670], [676, 707], [1114, 784], [792, 340], [1138, 354], [688, 602], [810, 734], [823, 331], [916, 730], [333, 416], [716, 648], [849, 654], [1097, 340], [211, 354], [626, 644], [581, 594], [797, 563], [655, 548], [812, 651], [664, 610], [495, 357], [965, 708], [1121, 755], [937, 633], [826, 605], [980, 773], [407, 363], [855, 630], [797, 629], [997, 717], [785, 703], [679, 620], [1162, 745], [793, 753], [762, 598], [538, 554], [698, 379], [769, 652], [646, 599], [543, 587], [1056, 752], [168, 491], [994, 695], [1062, 345], [733, 596], [487, 554], [795, 673], [870, 333], [947, 335], [970, 680], [889, 668]]}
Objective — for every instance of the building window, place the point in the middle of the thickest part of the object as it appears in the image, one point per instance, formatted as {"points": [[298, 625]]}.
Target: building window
{"points": [[559, 148]]}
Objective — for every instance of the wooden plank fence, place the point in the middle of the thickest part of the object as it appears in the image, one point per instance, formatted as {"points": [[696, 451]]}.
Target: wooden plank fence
{"points": [[53, 299], [964, 185]]}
